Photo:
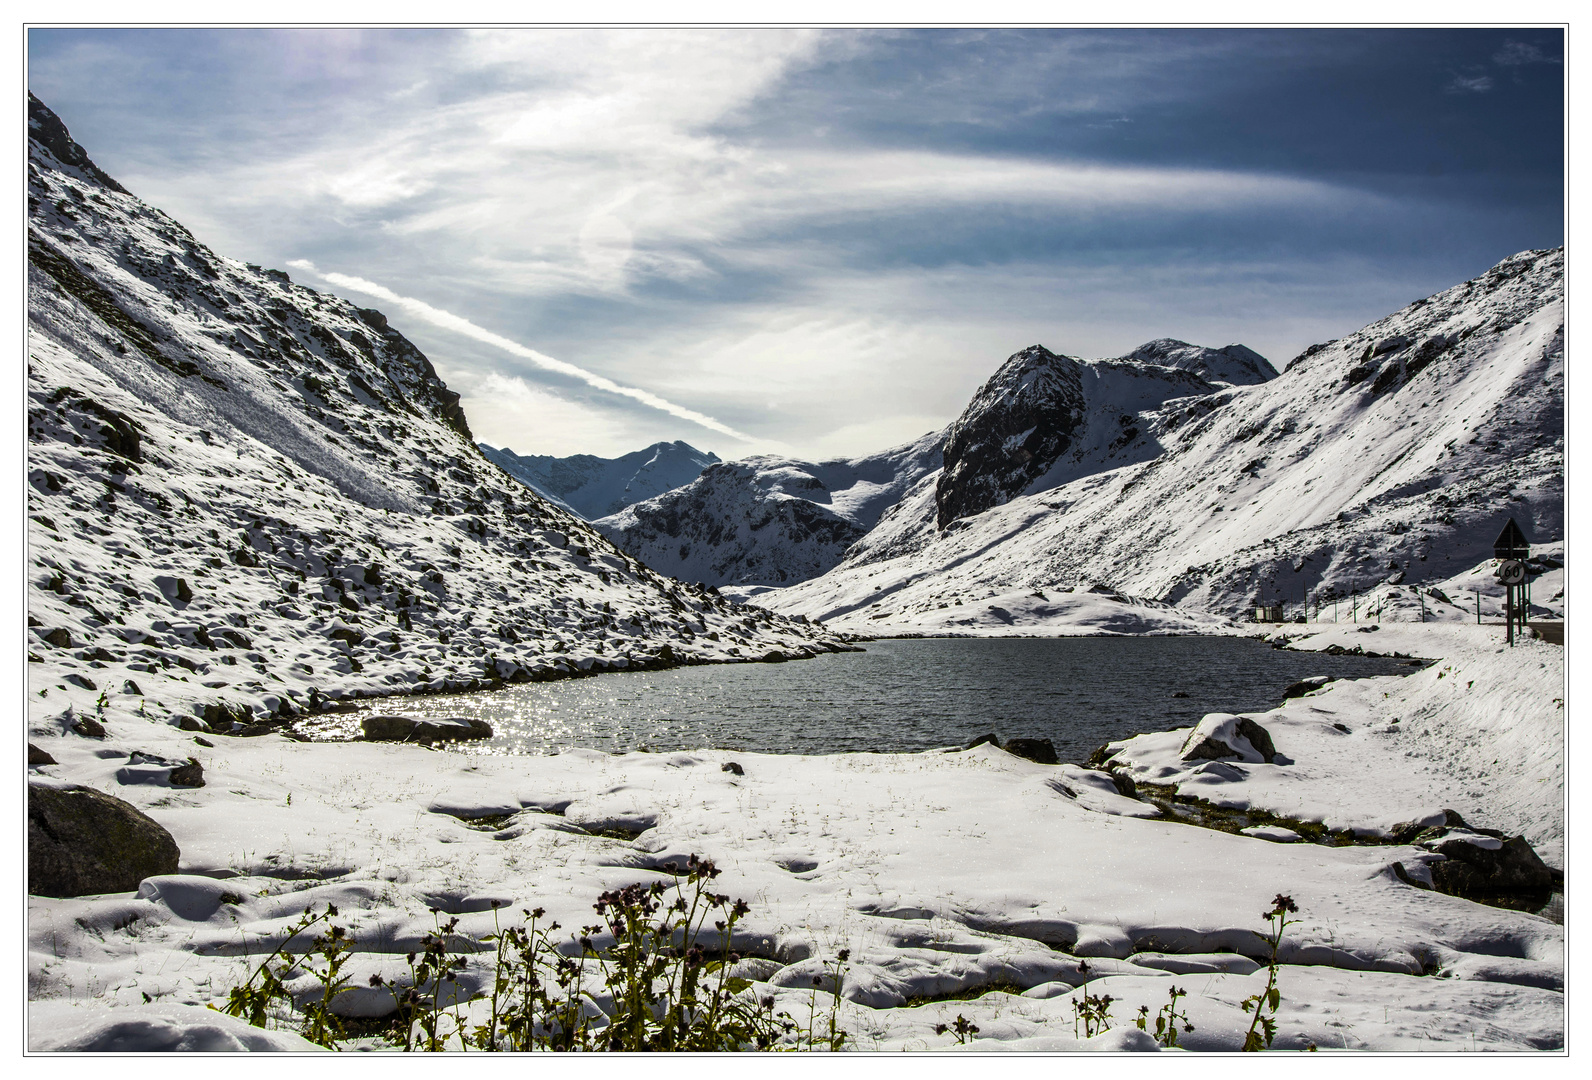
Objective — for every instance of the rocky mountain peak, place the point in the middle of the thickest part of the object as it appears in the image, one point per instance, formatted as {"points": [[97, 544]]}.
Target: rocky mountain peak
{"points": [[45, 128], [1017, 424]]}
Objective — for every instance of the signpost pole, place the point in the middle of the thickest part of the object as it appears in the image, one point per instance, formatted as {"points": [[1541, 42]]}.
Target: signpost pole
{"points": [[1512, 549]]}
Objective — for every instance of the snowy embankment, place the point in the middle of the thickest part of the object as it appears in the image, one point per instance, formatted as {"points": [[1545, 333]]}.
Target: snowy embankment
{"points": [[962, 882], [1479, 731]]}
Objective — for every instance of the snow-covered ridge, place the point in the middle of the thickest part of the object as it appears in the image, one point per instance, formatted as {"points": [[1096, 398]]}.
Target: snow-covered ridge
{"points": [[1390, 457], [242, 492], [1232, 365], [769, 520], [595, 487]]}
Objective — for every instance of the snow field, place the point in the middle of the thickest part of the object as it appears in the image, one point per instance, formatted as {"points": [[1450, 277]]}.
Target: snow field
{"points": [[944, 873]]}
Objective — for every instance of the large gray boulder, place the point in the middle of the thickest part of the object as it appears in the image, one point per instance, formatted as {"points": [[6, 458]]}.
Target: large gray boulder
{"points": [[83, 842], [434, 729]]}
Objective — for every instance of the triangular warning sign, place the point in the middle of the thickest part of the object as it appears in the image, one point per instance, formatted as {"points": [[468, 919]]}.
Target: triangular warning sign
{"points": [[1511, 543]]}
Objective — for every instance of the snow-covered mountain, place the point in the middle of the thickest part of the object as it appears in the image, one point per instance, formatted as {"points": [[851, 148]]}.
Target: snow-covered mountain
{"points": [[769, 520], [1389, 456], [243, 491], [1042, 419], [595, 487]]}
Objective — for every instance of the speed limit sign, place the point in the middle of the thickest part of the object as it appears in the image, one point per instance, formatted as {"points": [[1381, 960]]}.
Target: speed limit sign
{"points": [[1511, 572]]}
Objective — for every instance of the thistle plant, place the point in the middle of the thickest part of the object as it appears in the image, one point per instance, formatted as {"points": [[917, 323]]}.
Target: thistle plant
{"points": [[1093, 1012], [963, 1028], [1166, 1021], [1263, 1024]]}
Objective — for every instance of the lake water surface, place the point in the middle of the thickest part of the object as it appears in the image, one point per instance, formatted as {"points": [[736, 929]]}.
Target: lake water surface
{"points": [[899, 695]]}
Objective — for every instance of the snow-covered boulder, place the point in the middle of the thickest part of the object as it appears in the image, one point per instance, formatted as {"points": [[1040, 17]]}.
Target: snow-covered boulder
{"points": [[1223, 735]]}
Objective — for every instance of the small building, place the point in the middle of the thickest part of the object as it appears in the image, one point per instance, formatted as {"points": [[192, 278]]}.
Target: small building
{"points": [[1268, 613]]}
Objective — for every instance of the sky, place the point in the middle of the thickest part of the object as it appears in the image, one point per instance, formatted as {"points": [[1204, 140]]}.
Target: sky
{"points": [[821, 242]]}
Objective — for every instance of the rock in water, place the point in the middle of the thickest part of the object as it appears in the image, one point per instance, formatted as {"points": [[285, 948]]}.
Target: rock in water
{"points": [[1040, 750], [1304, 686], [82, 842], [436, 729]]}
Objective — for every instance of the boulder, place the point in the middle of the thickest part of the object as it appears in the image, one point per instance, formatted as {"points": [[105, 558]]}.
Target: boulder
{"points": [[1223, 735], [1304, 686], [1484, 866], [434, 729], [189, 775], [732, 767], [1040, 750], [988, 737], [38, 757], [82, 842]]}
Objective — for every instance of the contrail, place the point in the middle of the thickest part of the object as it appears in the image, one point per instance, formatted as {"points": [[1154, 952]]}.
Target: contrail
{"points": [[449, 321]]}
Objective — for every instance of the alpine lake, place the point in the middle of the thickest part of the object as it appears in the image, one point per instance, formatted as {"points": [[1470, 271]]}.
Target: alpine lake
{"points": [[899, 695]]}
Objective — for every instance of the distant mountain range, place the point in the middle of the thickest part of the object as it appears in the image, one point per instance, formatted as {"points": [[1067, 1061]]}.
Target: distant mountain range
{"points": [[1388, 458], [1180, 481], [595, 487], [769, 520]]}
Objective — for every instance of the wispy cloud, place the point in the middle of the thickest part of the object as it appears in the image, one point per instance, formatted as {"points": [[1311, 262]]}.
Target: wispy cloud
{"points": [[1470, 84], [460, 325], [1515, 53]]}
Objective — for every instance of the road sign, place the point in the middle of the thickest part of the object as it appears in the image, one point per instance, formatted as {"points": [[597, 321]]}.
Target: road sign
{"points": [[1511, 543], [1511, 572]]}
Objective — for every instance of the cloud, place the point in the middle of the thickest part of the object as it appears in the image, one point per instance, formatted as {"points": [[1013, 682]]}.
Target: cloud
{"points": [[1515, 53], [806, 234], [449, 321], [1470, 84]]}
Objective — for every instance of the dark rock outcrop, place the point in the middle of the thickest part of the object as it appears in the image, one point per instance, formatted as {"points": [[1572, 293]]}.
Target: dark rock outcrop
{"points": [[47, 128], [436, 729], [82, 842], [1304, 686], [1488, 866], [1040, 750], [1018, 423]]}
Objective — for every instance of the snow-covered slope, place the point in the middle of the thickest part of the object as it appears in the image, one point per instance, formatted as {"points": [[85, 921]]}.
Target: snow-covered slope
{"points": [[595, 487], [1391, 456], [769, 520], [244, 491]]}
